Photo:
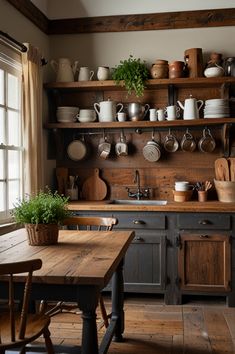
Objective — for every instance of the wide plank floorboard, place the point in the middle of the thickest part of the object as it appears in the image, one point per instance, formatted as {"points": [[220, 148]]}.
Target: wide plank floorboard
{"points": [[201, 327]]}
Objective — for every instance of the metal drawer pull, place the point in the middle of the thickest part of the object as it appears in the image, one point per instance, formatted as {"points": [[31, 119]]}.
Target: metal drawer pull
{"points": [[138, 238], [138, 222], [204, 236], [204, 222]]}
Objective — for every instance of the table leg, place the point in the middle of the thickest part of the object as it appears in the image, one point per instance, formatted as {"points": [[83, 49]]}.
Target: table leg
{"points": [[117, 302], [88, 300]]}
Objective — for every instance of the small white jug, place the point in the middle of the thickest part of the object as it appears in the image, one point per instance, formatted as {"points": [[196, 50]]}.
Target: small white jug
{"points": [[64, 70], [103, 73], [85, 74]]}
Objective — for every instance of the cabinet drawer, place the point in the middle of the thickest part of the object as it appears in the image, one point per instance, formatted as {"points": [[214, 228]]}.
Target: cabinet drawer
{"points": [[138, 220], [204, 221]]}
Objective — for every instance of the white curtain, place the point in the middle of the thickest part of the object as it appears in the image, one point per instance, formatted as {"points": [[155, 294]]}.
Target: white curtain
{"points": [[32, 119]]}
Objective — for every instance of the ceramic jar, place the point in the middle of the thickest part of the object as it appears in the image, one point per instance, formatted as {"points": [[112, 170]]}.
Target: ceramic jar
{"points": [[176, 69], [103, 73], [159, 69]]}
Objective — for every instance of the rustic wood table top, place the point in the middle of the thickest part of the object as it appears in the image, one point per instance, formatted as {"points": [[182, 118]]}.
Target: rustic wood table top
{"points": [[80, 257], [79, 266]]}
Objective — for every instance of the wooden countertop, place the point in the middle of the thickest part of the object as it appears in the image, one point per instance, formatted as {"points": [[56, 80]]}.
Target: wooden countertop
{"points": [[192, 206]]}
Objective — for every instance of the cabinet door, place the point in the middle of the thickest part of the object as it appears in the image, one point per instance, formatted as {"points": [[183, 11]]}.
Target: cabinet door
{"points": [[144, 267], [204, 262]]}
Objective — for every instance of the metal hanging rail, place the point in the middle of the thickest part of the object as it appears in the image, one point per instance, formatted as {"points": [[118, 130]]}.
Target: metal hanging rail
{"points": [[12, 42]]}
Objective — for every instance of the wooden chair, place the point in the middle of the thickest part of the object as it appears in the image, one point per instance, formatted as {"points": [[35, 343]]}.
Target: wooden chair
{"points": [[17, 326], [84, 223]]}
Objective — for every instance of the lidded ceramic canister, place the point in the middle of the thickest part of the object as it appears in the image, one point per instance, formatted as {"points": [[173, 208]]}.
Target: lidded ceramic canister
{"points": [[159, 69]]}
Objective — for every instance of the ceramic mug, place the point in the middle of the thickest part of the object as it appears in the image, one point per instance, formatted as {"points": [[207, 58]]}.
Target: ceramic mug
{"points": [[152, 114], [160, 115], [172, 112], [121, 116]]}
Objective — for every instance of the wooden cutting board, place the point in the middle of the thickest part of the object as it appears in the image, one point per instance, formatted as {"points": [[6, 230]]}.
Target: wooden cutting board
{"points": [[222, 172], [232, 168], [94, 188]]}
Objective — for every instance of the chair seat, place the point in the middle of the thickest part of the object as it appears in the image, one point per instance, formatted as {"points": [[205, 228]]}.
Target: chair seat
{"points": [[36, 325]]}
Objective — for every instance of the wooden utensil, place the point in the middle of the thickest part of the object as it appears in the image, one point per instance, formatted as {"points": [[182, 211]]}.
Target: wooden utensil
{"points": [[222, 170], [62, 178], [231, 161], [94, 188]]}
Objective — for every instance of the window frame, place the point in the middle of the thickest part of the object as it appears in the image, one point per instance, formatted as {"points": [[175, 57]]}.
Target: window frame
{"points": [[10, 63]]}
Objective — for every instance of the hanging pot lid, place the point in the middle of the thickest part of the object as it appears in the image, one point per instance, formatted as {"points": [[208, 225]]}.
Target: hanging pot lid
{"points": [[77, 150]]}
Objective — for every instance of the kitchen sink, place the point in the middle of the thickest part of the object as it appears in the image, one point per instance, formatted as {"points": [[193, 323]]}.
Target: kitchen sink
{"points": [[138, 202]]}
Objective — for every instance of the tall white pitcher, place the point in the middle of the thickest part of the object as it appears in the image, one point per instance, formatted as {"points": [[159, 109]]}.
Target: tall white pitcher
{"points": [[64, 69]]}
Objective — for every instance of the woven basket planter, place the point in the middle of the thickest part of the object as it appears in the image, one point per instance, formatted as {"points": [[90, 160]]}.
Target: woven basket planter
{"points": [[42, 234]]}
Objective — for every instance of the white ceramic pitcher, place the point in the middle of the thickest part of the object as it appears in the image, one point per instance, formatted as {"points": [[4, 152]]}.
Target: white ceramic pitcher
{"points": [[64, 69], [191, 108], [85, 74], [107, 110]]}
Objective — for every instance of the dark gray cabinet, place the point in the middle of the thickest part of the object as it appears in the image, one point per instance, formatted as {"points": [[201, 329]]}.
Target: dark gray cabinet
{"points": [[145, 260], [178, 254], [145, 263]]}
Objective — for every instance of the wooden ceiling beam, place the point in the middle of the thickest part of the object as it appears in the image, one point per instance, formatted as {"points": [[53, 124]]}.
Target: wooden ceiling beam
{"points": [[125, 23], [29, 10]]}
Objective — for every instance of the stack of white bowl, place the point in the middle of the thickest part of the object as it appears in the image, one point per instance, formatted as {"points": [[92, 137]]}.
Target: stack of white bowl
{"points": [[216, 108], [67, 114]]}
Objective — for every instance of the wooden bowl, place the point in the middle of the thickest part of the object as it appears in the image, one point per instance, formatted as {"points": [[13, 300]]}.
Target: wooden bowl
{"points": [[182, 196], [225, 191]]}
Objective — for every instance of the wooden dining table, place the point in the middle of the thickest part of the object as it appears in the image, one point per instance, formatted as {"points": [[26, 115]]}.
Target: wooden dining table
{"points": [[77, 268]]}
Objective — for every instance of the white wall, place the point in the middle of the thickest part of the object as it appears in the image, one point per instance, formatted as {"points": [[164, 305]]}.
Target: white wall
{"points": [[109, 48], [23, 30], [82, 8]]}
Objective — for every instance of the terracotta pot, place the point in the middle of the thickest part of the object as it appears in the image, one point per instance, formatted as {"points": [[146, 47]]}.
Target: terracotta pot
{"points": [[159, 69], [176, 69]]}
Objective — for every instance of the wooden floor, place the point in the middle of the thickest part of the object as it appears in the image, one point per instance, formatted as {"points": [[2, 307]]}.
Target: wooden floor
{"points": [[198, 327]]}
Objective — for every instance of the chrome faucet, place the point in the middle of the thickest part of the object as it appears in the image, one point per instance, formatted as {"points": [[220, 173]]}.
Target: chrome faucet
{"points": [[139, 193]]}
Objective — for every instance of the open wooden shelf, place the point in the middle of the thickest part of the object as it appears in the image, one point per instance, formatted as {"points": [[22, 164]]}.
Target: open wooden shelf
{"points": [[141, 124], [151, 84]]}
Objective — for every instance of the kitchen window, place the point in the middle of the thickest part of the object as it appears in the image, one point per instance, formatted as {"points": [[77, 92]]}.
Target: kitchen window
{"points": [[11, 149]]}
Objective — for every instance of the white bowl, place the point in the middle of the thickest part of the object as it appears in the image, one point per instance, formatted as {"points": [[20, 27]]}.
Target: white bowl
{"points": [[181, 186], [214, 72]]}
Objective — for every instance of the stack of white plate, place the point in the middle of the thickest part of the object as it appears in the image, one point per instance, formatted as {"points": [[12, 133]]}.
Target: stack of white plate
{"points": [[67, 114], [216, 108]]}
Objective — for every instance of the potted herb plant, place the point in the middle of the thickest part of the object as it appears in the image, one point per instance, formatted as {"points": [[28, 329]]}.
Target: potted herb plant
{"points": [[41, 214], [134, 73]]}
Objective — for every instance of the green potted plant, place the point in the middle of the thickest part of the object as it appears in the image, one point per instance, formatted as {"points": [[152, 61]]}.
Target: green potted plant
{"points": [[41, 214], [134, 73]]}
